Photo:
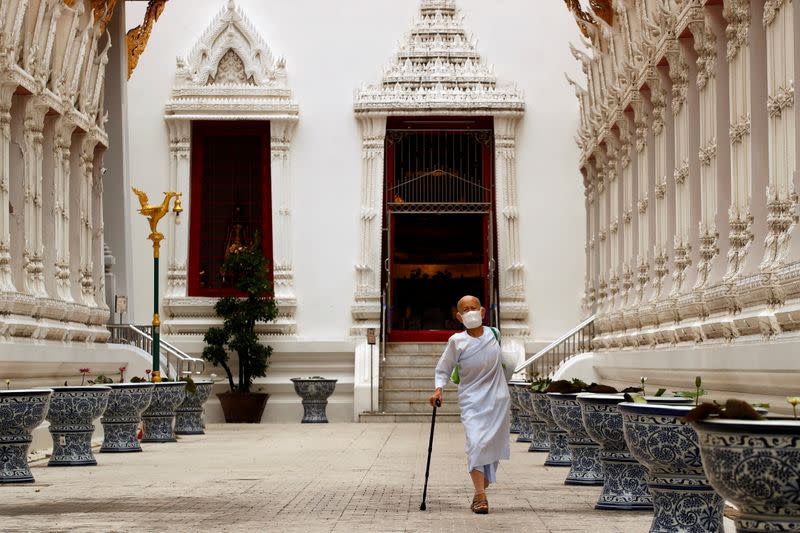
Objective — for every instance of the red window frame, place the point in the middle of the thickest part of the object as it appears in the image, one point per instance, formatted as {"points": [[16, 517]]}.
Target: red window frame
{"points": [[201, 130]]}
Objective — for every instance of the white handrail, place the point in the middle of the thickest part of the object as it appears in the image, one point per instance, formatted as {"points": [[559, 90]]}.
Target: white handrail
{"points": [[541, 353], [181, 358]]}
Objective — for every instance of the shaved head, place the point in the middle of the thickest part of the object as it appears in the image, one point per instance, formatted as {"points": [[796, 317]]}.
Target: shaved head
{"points": [[467, 300]]}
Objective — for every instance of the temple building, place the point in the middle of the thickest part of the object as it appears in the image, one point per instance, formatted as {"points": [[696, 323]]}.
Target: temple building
{"points": [[388, 158]]}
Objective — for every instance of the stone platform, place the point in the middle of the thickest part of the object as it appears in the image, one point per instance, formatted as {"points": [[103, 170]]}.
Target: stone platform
{"points": [[293, 477]]}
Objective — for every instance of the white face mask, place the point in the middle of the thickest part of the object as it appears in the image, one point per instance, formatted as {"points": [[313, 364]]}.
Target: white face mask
{"points": [[471, 319]]}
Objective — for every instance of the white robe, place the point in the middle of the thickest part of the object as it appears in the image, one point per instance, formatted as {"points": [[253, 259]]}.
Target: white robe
{"points": [[482, 395]]}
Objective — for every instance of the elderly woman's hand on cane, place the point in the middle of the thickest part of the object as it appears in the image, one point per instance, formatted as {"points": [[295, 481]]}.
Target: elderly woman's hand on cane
{"points": [[437, 395]]}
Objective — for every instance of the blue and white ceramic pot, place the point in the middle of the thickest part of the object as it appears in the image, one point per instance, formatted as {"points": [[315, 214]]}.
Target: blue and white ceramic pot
{"points": [[514, 410], [539, 440], [189, 415], [516, 389], [72, 413], [683, 500], [21, 411], [558, 453], [756, 465], [126, 403], [625, 487], [315, 394], [586, 468], [159, 417]]}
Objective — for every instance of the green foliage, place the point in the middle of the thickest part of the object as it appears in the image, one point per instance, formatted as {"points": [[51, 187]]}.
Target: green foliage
{"points": [[137, 379], [695, 394], [191, 386], [540, 384], [660, 392], [248, 270], [101, 380]]}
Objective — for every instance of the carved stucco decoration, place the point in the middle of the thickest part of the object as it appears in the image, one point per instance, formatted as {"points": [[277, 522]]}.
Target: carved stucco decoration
{"points": [[438, 68], [230, 74]]}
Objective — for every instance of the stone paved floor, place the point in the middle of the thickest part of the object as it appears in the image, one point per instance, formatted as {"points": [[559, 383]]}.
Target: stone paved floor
{"points": [[292, 477]]}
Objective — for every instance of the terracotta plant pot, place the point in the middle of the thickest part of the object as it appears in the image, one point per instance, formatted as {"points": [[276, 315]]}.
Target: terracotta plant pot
{"points": [[243, 407]]}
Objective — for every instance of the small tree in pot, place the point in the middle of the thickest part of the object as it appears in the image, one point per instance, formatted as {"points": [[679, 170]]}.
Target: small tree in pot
{"points": [[247, 269]]}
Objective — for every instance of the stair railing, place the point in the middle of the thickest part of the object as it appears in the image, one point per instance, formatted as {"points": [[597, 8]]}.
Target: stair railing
{"points": [[546, 361], [181, 363]]}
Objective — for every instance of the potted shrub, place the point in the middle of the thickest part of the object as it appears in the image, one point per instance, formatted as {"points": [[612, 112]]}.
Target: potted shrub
{"points": [[247, 268], [315, 392], [753, 462]]}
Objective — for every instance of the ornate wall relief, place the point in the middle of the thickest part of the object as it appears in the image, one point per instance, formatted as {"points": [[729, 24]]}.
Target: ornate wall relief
{"points": [[230, 74]]}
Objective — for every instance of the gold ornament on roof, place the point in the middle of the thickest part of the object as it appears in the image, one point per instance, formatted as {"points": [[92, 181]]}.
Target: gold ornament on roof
{"points": [[137, 37]]}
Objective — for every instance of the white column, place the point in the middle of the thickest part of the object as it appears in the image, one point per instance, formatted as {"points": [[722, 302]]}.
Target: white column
{"points": [[782, 199], [643, 257], [6, 280], [628, 222], [180, 148], [281, 132], [602, 231], [366, 307], [612, 175], [511, 278], [737, 13], [86, 274], [35, 111], [679, 74], [61, 155], [660, 259]]}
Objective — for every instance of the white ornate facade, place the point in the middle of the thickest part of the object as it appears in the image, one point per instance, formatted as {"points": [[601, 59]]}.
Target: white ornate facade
{"points": [[438, 71], [689, 112], [230, 74], [52, 70]]}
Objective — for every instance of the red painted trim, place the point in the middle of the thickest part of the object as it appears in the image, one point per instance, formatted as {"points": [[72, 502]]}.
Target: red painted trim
{"points": [[200, 131], [430, 335]]}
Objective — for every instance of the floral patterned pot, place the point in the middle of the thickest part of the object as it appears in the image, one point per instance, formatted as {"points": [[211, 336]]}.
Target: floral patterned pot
{"points": [[756, 465], [21, 411], [514, 420], [625, 487], [72, 413], [539, 440], [516, 388], [126, 403], [189, 415], [586, 468], [315, 394], [558, 454], [683, 500], [159, 416]]}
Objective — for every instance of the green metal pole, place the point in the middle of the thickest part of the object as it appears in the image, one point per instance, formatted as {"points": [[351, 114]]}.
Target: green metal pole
{"points": [[156, 322]]}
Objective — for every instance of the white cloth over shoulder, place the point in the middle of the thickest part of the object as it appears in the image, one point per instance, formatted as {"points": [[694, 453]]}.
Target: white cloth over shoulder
{"points": [[482, 395]]}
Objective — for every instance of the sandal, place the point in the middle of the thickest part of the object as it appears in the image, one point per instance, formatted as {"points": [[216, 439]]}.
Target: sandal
{"points": [[480, 505]]}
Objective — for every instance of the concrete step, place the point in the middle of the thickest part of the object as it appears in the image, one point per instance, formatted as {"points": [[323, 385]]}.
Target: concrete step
{"points": [[409, 382], [394, 418], [412, 359], [417, 406], [397, 394], [425, 348], [422, 370]]}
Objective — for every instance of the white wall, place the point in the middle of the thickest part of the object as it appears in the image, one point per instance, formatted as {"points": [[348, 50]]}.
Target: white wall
{"points": [[331, 48]]}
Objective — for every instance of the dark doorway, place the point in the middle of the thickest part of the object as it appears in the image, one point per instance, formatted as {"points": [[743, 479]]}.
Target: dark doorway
{"points": [[438, 246]]}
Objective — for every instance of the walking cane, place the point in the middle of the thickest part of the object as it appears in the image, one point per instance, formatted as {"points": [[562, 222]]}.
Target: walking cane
{"points": [[430, 449]]}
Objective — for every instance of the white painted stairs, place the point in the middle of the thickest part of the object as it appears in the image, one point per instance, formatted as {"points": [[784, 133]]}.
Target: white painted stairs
{"points": [[408, 384]]}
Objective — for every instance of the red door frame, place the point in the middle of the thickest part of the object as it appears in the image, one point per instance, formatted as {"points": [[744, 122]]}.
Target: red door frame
{"points": [[432, 124], [201, 130]]}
